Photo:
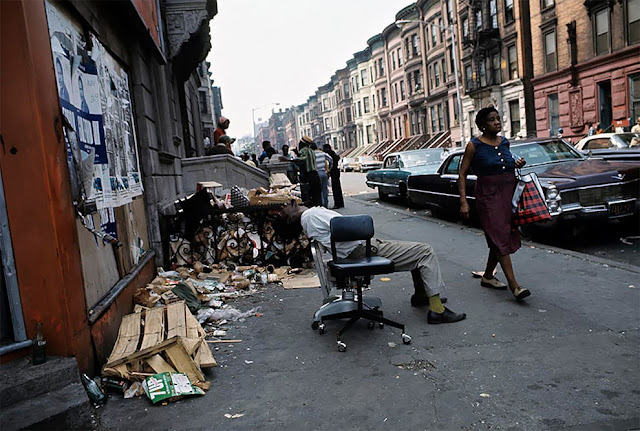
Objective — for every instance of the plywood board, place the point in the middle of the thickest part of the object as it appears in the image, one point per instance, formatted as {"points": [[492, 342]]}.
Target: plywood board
{"points": [[153, 327], [128, 337], [204, 357], [193, 327], [183, 363], [301, 281], [176, 320]]}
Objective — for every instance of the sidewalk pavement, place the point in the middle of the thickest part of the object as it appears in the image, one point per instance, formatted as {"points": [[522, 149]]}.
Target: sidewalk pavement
{"points": [[567, 358]]}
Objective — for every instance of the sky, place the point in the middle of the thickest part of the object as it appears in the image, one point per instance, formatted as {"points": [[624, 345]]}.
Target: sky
{"points": [[280, 51]]}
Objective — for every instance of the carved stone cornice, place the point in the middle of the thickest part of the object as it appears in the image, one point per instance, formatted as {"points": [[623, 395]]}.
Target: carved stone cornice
{"points": [[184, 19]]}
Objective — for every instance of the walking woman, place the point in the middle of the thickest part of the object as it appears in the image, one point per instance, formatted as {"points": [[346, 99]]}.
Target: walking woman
{"points": [[492, 162]]}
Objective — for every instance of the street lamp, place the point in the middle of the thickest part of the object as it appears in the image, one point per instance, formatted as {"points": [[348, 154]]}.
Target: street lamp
{"points": [[452, 30], [253, 117]]}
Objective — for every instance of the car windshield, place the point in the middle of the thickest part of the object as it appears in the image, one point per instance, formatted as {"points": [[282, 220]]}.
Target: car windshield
{"points": [[421, 158], [347, 160], [367, 159], [624, 140], [536, 153]]}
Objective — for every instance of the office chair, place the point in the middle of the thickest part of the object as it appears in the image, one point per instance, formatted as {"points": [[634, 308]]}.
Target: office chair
{"points": [[351, 276]]}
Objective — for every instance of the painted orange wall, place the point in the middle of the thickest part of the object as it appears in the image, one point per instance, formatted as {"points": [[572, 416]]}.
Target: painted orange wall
{"points": [[37, 188], [149, 14]]}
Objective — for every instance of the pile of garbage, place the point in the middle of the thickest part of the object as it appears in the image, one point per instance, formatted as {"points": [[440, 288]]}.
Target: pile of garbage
{"points": [[181, 312]]}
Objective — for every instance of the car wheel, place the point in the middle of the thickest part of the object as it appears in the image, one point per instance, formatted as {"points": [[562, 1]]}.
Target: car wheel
{"points": [[382, 195]]}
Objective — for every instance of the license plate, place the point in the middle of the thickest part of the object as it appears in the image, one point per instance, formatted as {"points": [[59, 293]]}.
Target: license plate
{"points": [[620, 208]]}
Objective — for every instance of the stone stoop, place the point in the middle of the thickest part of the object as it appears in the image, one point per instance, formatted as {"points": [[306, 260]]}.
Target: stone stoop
{"points": [[47, 396]]}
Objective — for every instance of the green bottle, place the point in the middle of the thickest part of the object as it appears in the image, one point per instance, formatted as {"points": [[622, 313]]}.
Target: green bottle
{"points": [[39, 346], [94, 392]]}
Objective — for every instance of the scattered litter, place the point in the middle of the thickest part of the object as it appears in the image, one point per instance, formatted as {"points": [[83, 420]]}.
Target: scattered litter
{"points": [[542, 310], [629, 239], [223, 341], [391, 344], [230, 313], [164, 387], [219, 333], [236, 416], [483, 395], [248, 362], [631, 286], [385, 279], [493, 335], [135, 390]]}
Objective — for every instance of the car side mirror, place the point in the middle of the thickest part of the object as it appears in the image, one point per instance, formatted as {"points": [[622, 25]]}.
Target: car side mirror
{"points": [[590, 153]]}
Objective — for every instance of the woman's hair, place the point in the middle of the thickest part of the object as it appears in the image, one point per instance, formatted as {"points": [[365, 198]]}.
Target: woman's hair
{"points": [[313, 146], [483, 114]]}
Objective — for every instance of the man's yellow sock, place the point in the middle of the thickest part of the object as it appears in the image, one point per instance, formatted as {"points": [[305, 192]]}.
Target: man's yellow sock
{"points": [[435, 304]]}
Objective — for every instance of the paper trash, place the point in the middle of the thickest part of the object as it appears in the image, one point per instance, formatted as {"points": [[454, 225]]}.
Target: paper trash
{"points": [[169, 387]]}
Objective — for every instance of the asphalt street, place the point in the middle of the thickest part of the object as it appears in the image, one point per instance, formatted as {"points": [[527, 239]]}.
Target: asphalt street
{"points": [[564, 359]]}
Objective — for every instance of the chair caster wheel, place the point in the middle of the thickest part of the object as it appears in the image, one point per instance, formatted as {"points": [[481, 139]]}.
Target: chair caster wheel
{"points": [[321, 328], [342, 347], [406, 339], [371, 324], [380, 325], [315, 325]]}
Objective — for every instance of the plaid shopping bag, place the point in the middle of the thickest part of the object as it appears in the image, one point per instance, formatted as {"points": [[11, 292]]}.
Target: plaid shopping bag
{"points": [[531, 205]]}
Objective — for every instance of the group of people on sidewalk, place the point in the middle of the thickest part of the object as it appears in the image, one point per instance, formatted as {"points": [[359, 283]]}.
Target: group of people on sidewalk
{"points": [[490, 158]]}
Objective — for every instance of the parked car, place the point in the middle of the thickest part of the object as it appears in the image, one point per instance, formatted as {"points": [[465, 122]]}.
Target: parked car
{"points": [[615, 146], [391, 178], [576, 188], [366, 163], [345, 164]]}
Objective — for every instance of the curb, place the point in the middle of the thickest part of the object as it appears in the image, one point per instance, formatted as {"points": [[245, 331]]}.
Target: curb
{"points": [[587, 257]]}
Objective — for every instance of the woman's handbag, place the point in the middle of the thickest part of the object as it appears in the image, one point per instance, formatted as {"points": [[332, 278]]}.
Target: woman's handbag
{"points": [[528, 203]]}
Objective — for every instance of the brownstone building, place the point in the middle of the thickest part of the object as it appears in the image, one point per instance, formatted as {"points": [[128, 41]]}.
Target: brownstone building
{"points": [[586, 58]]}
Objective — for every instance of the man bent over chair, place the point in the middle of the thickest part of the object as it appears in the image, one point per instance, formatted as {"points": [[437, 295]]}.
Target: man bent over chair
{"points": [[418, 258]]}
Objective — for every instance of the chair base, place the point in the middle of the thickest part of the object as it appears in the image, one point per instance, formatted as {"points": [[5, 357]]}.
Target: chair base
{"points": [[340, 306]]}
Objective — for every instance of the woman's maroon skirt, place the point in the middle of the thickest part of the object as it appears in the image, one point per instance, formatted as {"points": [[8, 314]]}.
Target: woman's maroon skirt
{"points": [[493, 204]]}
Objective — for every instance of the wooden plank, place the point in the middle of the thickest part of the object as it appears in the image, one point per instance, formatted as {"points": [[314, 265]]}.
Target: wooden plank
{"points": [[141, 354], [223, 341], [153, 327], [204, 357], [301, 281], [191, 344], [194, 330], [176, 320], [120, 371], [183, 363], [159, 365], [128, 338]]}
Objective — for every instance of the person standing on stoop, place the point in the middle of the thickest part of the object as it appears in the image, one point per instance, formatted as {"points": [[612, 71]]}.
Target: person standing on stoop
{"points": [[334, 174], [416, 257]]}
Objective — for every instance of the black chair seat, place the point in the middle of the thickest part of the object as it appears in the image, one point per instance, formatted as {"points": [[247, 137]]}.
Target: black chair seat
{"points": [[358, 267]]}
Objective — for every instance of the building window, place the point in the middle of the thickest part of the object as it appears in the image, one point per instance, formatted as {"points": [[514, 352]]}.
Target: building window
{"points": [[383, 96], [440, 118], [547, 3], [601, 31], [433, 119], [554, 115], [512, 55], [449, 13], [483, 73], [347, 111], [430, 77], [436, 73], [495, 69], [346, 91], [493, 8], [414, 45], [551, 61], [395, 88], [441, 27], [633, 21], [402, 92], [479, 19], [634, 95], [393, 60], [367, 108], [359, 108], [204, 106], [370, 134], [399, 57], [465, 28], [468, 77], [363, 77], [417, 80], [434, 35], [508, 11], [452, 66], [514, 117], [381, 67]]}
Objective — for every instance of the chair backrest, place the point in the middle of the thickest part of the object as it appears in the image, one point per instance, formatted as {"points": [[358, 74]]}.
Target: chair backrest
{"points": [[351, 228]]}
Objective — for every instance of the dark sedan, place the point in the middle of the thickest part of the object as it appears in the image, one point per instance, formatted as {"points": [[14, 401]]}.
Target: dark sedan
{"points": [[576, 188], [391, 179]]}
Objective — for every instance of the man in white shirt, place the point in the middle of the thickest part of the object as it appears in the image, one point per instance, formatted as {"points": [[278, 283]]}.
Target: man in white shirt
{"points": [[416, 257]]}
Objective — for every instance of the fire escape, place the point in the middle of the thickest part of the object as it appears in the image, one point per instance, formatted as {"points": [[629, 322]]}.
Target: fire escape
{"points": [[487, 44]]}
